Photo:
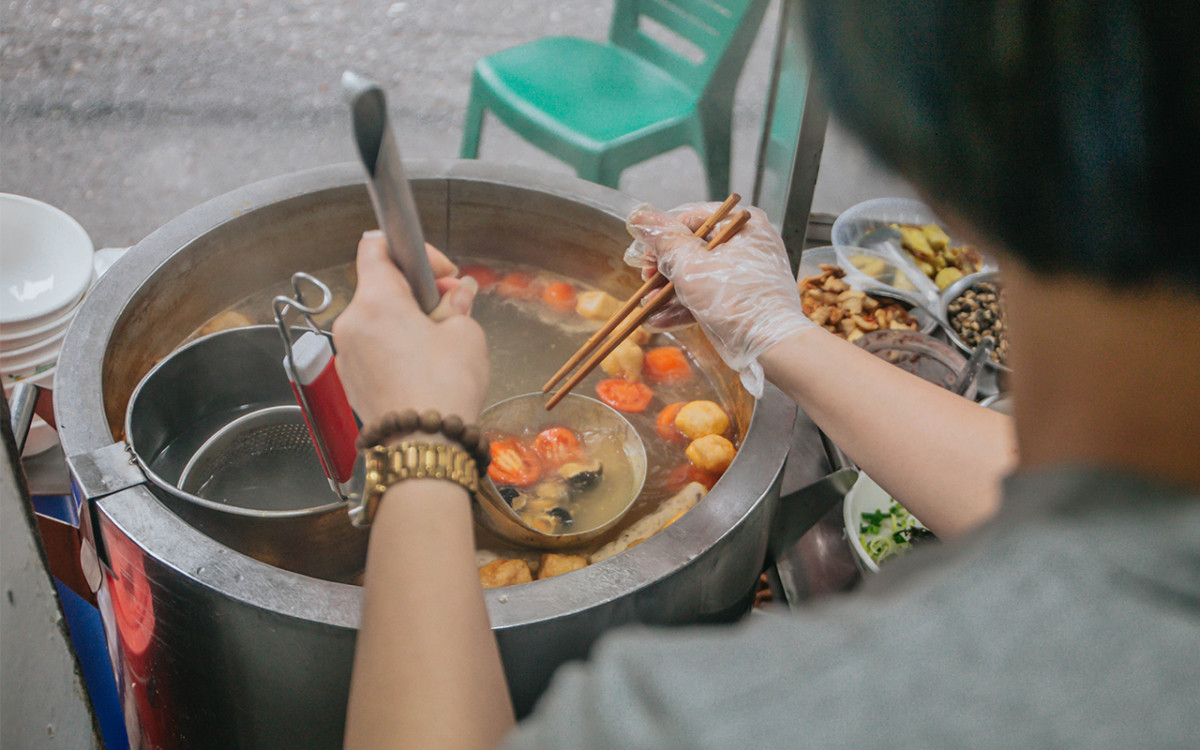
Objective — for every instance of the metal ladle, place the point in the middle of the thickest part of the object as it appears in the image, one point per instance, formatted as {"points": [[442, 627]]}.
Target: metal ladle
{"points": [[970, 370], [391, 195], [396, 212], [527, 413]]}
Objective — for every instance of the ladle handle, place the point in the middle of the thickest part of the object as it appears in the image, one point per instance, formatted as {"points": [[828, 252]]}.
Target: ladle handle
{"points": [[970, 370], [390, 192]]}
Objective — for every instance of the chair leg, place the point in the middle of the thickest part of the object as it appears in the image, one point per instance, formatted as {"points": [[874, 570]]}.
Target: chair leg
{"points": [[472, 125], [717, 136], [600, 171]]}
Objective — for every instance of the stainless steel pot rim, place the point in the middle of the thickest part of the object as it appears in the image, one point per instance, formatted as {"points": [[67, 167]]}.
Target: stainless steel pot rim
{"points": [[167, 537], [634, 570], [166, 486]]}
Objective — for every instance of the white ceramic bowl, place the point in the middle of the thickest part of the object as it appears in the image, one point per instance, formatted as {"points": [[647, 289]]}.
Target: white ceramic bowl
{"points": [[47, 260], [45, 379], [36, 351], [864, 497], [13, 341], [14, 372]]}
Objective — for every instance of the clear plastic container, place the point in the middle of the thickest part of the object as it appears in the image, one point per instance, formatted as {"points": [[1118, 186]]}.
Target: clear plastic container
{"points": [[856, 221], [853, 225], [917, 299], [920, 354], [881, 268]]}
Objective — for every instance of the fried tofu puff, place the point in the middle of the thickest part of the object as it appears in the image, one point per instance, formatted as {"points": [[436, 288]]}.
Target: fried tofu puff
{"points": [[504, 572], [224, 322], [596, 305], [700, 418], [711, 453], [625, 361], [555, 565]]}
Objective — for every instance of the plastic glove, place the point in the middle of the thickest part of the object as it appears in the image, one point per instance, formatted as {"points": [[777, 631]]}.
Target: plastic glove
{"points": [[742, 293]]}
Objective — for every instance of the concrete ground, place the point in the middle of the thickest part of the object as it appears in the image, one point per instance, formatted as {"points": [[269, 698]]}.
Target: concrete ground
{"points": [[126, 113]]}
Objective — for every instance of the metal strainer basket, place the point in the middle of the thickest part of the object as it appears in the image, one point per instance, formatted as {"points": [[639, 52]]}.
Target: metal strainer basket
{"points": [[263, 460]]}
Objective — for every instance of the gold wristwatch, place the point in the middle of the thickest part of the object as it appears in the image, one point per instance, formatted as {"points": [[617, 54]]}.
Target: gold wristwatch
{"points": [[411, 460]]}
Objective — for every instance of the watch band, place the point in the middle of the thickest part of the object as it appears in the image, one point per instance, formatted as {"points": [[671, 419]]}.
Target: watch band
{"points": [[411, 460]]}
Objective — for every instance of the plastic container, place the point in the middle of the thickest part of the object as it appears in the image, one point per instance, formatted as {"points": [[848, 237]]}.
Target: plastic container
{"points": [[917, 303], [856, 221], [953, 292], [920, 354]]}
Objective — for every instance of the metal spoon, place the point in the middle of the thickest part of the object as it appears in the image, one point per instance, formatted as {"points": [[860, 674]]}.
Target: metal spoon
{"points": [[521, 412], [883, 235], [975, 363], [391, 195]]}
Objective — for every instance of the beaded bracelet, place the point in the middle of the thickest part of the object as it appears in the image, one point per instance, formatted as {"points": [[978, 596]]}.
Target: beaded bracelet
{"points": [[399, 424]]}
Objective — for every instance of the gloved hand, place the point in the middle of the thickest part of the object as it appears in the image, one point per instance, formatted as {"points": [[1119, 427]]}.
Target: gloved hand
{"points": [[742, 293]]}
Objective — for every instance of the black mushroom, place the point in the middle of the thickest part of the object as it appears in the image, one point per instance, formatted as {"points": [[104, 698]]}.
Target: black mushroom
{"points": [[978, 312], [509, 494], [582, 477]]}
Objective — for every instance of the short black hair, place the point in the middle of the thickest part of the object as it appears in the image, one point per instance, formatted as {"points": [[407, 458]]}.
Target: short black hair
{"points": [[1069, 130]]}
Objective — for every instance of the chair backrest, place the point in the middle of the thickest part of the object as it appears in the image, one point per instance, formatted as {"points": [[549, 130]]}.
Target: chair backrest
{"points": [[716, 33]]}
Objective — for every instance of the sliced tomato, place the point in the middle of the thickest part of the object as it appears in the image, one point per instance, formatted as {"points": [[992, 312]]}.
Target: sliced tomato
{"points": [[685, 474], [518, 284], [484, 276], [664, 424], [625, 395], [666, 365], [557, 446], [514, 463], [559, 295]]}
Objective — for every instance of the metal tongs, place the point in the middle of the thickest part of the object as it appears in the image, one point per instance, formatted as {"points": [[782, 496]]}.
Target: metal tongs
{"points": [[313, 376], [391, 195]]}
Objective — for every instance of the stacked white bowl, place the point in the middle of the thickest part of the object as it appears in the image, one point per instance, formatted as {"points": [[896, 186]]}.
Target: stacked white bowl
{"points": [[46, 267]]}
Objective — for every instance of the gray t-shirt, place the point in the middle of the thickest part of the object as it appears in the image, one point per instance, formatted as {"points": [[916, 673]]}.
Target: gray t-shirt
{"points": [[1072, 620]]}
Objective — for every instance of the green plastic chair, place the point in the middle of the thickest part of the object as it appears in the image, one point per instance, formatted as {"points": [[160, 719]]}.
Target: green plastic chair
{"points": [[604, 107]]}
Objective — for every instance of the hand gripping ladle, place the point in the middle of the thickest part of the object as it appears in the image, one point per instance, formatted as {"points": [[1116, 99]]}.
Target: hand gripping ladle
{"points": [[391, 195]]}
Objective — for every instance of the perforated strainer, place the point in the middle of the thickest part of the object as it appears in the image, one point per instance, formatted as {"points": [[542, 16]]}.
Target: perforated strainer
{"points": [[263, 460]]}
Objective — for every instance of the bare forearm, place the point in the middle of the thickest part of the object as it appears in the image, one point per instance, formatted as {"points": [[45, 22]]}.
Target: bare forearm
{"points": [[938, 454], [427, 671]]}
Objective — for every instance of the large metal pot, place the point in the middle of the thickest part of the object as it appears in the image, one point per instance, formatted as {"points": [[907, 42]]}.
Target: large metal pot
{"points": [[218, 649]]}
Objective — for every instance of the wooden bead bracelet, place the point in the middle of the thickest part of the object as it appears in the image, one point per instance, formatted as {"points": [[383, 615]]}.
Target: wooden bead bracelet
{"points": [[399, 424]]}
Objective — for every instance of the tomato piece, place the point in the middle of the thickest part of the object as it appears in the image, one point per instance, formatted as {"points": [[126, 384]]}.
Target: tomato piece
{"points": [[665, 423], [484, 276], [685, 474], [625, 395], [666, 365], [518, 284], [513, 463], [557, 446], [559, 295]]}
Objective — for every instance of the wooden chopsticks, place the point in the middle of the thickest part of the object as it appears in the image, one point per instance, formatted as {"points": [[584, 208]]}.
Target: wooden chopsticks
{"points": [[622, 324]]}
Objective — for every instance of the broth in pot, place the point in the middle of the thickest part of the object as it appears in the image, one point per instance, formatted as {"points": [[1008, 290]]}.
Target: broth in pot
{"points": [[534, 321]]}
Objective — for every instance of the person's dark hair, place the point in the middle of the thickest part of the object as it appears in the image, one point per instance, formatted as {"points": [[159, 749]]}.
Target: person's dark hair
{"points": [[1067, 129]]}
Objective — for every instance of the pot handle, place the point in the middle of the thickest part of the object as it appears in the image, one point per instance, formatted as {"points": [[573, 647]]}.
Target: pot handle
{"points": [[799, 511]]}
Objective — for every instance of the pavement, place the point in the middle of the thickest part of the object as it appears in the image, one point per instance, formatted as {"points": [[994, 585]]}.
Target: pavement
{"points": [[127, 113]]}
